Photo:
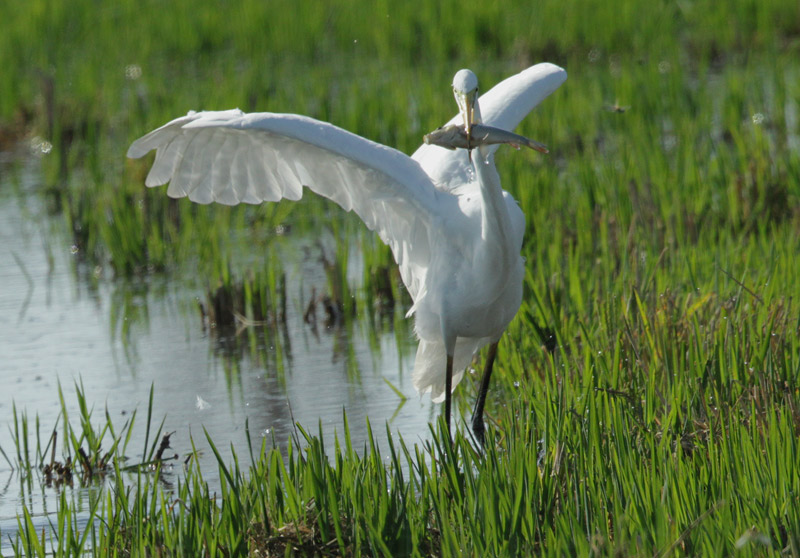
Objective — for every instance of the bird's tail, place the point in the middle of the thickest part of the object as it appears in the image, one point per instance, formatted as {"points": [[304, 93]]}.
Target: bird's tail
{"points": [[429, 367]]}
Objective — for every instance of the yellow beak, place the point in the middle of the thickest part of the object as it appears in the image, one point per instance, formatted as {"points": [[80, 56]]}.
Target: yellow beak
{"points": [[466, 106]]}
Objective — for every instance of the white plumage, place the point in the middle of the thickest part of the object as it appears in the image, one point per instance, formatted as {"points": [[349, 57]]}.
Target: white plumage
{"points": [[455, 234]]}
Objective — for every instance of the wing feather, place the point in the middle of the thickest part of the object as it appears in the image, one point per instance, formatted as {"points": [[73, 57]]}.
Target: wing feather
{"points": [[256, 173], [231, 157], [238, 175]]}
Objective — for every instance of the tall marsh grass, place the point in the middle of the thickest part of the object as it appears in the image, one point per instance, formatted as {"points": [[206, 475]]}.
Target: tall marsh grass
{"points": [[581, 470]]}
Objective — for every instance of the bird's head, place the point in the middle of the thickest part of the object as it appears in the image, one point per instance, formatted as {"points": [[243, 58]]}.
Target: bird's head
{"points": [[465, 89]]}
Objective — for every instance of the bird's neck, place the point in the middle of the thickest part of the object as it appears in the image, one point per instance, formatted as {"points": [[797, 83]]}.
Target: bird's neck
{"points": [[497, 237]]}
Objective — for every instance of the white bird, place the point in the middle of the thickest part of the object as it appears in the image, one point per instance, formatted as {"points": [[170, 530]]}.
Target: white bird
{"points": [[455, 233]]}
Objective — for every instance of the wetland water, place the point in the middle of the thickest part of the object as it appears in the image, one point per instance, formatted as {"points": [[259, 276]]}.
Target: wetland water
{"points": [[62, 323]]}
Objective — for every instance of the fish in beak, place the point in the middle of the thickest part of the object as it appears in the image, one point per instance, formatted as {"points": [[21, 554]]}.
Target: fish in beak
{"points": [[454, 136]]}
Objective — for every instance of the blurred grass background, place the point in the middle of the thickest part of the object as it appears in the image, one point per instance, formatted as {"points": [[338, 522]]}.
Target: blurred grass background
{"points": [[708, 92], [653, 372]]}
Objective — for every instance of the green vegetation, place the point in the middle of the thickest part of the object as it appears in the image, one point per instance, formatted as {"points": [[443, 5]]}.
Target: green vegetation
{"points": [[648, 394]]}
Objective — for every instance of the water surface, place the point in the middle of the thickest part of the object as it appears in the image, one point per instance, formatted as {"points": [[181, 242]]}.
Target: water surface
{"points": [[61, 323]]}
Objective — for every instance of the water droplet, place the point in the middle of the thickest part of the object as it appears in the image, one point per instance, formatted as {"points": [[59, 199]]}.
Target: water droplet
{"points": [[133, 72], [470, 174], [40, 146], [201, 404]]}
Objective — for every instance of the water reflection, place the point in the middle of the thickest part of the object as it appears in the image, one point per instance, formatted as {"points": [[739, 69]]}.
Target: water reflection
{"points": [[62, 322]]}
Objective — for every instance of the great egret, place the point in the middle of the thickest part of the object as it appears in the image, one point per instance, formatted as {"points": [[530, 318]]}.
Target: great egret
{"points": [[455, 234]]}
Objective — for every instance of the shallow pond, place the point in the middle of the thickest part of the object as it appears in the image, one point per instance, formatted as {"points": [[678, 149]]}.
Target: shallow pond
{"points": [[58, 324]]}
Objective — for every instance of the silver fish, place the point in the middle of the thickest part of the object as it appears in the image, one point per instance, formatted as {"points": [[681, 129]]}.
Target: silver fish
{"points": [[452, 137]]}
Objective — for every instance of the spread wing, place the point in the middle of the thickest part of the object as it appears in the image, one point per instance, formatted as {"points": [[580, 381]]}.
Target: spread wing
{"points": [[231, 157], [503, 106]]}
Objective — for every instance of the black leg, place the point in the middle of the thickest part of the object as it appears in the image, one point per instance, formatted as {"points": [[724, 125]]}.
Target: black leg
{"points": [[478, 427], [448, 390]]}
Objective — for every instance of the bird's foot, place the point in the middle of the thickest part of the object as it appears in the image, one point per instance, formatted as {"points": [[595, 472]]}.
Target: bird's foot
{"points": [[478, 429]]}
